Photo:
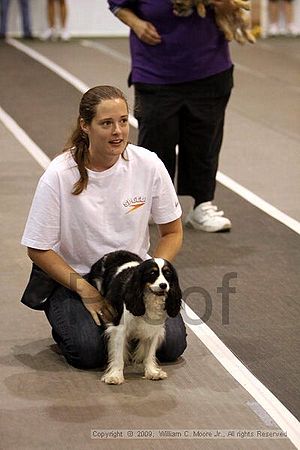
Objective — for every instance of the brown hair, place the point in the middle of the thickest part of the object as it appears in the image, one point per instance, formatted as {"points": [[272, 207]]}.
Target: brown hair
{"points": [[79, 140]]}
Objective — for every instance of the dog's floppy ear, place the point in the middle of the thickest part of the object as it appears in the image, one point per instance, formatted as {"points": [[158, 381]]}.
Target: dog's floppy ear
{"points": [[97, 269], [134, 293], [95, 276], [173, 300]]}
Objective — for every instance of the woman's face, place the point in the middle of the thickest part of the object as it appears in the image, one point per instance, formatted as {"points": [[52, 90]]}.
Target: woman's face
{"points": [[108, 132]]}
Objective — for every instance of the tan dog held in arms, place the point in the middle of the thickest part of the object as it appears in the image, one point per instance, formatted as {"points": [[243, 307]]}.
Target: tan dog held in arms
{"points": [[231, 17]]}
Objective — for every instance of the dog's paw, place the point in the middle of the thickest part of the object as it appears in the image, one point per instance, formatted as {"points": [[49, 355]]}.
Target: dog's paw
{"points": [[113, 378], [155, 374]]}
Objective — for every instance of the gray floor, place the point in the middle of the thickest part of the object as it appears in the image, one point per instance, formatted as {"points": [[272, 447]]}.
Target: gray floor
{"points": [[55, 406]]}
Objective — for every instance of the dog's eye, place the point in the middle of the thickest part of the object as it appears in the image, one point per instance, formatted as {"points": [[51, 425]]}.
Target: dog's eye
{"points": [[153, 273], [167, 271]]}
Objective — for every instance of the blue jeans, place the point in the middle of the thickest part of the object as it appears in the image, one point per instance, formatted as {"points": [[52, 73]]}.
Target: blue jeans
{"points": [[83, 343], [25, 17]]}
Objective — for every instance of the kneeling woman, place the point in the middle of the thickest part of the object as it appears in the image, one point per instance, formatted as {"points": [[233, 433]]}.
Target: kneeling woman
{"points": [[94, 198]]}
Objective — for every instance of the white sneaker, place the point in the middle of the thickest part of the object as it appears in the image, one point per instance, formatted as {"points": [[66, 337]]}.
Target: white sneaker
{"points": [[292, 29], [206, 217], [65, 35], [274, 30], [48, 35]]}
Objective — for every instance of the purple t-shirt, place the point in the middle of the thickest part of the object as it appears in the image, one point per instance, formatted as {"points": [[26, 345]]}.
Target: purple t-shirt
{"points": [[192, 47]]}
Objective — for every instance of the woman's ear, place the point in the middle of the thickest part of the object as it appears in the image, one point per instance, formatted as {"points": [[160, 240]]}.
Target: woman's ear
{"points": [[84, 126]]}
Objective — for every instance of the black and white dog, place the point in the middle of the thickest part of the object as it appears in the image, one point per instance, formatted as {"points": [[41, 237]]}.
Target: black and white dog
{"points": [[144, 294]]}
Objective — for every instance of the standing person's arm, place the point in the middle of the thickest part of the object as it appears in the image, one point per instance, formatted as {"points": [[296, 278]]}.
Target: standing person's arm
{"points": [[60, 271], [144, 30]]}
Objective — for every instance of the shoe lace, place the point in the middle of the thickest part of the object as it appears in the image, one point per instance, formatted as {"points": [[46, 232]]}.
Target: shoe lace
{"points": [[211, 210]]}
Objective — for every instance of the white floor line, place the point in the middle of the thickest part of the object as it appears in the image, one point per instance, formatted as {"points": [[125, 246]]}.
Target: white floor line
{"points": [[24, 139], [118, 56], [266, 46], [259, 202], [74, 81], [255, 73], [279, 413], [249, 71], [282, 416], [106, 50], [71, 79]]}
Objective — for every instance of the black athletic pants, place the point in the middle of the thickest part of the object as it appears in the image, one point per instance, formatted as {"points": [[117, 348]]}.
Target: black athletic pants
{"points": [[190, 115]]}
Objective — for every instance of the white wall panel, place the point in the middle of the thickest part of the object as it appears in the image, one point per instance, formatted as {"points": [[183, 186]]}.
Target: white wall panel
{"points": [[86, 18]]}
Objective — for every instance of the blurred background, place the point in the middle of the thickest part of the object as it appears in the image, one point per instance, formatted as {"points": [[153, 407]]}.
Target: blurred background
{"points": [[92, 18]]}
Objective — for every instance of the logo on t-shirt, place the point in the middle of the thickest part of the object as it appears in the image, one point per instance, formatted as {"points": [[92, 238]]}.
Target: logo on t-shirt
{"points": [[134, 203]]}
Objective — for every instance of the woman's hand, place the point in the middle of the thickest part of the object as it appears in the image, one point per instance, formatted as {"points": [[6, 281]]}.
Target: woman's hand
{"points": [[96, 305], [146, 32], [60, 271]]}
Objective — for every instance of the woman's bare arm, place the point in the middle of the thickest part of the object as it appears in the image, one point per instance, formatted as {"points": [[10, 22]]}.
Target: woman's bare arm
{"points": [[60, 271], [170, 241]]}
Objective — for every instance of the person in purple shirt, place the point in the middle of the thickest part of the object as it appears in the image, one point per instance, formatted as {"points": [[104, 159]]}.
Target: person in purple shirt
{"points": [[183, 75]]}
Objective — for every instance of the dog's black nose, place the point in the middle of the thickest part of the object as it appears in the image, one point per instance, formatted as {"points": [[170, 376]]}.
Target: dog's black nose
{"points": [[163, 285]]}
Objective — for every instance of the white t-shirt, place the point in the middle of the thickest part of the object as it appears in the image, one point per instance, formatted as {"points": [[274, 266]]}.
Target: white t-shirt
{"points": [[111, 214]]}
